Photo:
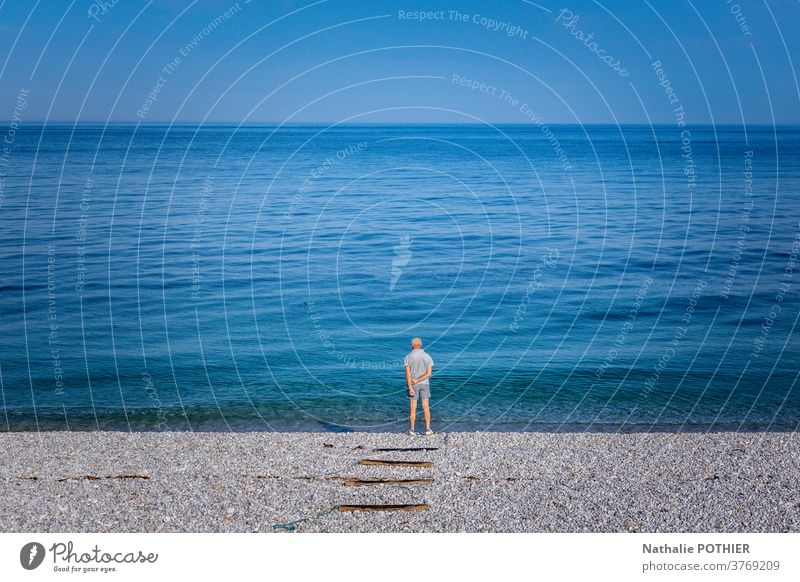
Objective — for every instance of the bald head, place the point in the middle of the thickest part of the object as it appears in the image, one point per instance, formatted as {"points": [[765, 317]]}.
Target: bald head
{"points": [[416, 343]]}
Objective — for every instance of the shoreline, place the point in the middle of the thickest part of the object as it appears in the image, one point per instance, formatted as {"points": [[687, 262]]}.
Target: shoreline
{"points": [[105, 424], [456, 482]]}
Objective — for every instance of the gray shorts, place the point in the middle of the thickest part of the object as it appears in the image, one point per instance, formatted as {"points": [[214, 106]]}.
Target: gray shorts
{"points": [[423, 392]]}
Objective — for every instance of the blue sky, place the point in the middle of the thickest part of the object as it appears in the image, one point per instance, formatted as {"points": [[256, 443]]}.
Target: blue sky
{"points": [[334, 61]]}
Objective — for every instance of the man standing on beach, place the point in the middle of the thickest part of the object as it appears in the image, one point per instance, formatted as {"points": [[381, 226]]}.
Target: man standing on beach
{"points": [[419, 367]]}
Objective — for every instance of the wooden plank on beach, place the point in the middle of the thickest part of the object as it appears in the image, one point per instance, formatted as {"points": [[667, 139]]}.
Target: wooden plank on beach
{"points": [[417, 507], [96, 478], [405, 450], [353, 482], [388, 463]]}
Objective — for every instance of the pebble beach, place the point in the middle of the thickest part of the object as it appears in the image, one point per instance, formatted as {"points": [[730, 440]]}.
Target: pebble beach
{"points": [[381, 482]]}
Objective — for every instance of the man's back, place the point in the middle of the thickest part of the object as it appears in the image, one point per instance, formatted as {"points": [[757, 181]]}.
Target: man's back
{"points": [[418, 361]]}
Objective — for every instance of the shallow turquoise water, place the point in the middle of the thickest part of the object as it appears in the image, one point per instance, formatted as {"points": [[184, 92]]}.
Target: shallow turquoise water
{"points": [[592, 278]]}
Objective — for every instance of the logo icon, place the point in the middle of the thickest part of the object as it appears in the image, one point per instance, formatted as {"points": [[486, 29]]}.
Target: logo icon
{"points": [[31, 555], [402, 255]]}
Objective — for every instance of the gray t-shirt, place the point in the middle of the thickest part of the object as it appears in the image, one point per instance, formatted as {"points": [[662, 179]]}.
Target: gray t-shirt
{"points": [[418, 361]]}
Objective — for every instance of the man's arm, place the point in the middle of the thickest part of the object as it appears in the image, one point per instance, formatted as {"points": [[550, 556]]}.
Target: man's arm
{"points": [[425, 376], [409, 381]]}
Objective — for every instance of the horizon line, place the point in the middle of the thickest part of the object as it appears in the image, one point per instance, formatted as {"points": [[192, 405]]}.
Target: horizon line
{"points": [[376, 123]]}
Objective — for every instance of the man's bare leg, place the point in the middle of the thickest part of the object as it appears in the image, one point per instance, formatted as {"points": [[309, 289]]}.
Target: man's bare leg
{"points": [[413, 413], [426, 410]]}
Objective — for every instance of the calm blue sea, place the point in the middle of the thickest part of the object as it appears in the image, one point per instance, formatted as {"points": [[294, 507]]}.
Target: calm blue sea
{"points": [[271, 278]]}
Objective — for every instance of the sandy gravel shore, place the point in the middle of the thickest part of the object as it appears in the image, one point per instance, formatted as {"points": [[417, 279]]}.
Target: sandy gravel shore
{"points": [[59, 481]]}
